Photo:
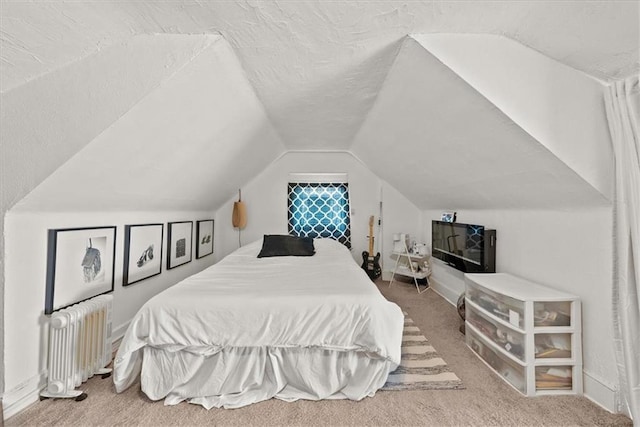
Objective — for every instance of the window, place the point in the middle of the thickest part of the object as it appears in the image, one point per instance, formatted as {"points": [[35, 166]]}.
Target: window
{"points": [[320, 210]]}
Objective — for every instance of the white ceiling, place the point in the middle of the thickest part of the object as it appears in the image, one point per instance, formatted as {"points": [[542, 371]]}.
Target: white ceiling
{"points": [[44, 123], [289, 75], [442, 144], [188, 144], [317, 66], [561, 108]]}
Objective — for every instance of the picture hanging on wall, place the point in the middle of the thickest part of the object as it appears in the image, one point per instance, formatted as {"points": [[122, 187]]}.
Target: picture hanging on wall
{"points": [[448, 217], [179, 236], [142, 252], [80, 265], [204, 238]]}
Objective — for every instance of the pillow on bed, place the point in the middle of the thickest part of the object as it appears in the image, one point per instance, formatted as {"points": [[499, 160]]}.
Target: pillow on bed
{"points": [[284, 245]]}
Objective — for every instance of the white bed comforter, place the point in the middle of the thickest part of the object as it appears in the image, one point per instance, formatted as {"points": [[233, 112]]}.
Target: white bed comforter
{"points": [[247, 329]]}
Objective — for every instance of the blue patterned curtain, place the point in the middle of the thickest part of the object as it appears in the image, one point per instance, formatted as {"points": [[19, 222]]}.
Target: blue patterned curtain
{"points": [[320, 210]]}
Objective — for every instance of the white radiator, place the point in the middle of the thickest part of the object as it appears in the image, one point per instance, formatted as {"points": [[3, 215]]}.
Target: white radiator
{"points": [[79, 346]]}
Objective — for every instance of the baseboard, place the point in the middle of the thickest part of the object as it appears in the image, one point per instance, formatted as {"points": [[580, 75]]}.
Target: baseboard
{"points": [[444, 291], [28, 392], [23, 395], [447, 281], [386, 275], [601, 394]]}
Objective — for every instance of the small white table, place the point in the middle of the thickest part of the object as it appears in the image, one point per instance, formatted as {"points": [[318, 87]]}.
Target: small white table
{"points": [[408, 269]]}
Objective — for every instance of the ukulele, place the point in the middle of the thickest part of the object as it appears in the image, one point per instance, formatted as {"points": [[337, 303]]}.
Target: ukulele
{"points": [[370, 263]]}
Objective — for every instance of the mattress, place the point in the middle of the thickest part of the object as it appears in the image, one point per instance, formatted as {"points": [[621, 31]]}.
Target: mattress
{"points": [[248, 329]]}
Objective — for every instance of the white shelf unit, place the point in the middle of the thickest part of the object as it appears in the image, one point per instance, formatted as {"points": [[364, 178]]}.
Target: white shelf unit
{"points": [[404, 267], [529, 334]]}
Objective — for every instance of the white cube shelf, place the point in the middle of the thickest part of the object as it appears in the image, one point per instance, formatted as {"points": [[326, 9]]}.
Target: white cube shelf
{"points": [[529, 334]]}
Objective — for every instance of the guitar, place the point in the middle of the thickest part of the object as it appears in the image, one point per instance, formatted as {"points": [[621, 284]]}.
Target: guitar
{"points": [[370, 263]]}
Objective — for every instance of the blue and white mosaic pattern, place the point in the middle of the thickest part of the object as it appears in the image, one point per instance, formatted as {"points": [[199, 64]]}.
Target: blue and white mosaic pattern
{"points": [[320, 210]]}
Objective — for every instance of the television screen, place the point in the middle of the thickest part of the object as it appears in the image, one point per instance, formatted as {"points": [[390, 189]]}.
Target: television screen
{"points": [[463, 241]]}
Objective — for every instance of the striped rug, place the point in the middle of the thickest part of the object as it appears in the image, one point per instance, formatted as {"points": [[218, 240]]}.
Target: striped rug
{"points": [[421, 368]]}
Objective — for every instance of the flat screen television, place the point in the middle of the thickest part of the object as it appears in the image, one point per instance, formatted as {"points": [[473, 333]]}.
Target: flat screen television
{"points": [[467, 247]]}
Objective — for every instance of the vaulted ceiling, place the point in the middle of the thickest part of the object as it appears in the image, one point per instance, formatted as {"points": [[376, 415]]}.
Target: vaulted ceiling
{"points": [[311, 75], [317, 66]]}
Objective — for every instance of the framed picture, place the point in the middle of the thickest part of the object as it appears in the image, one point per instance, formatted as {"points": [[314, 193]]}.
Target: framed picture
{"points": [[204, 238], [448, 217], [142, 252], [179, 236], [80, 265]]}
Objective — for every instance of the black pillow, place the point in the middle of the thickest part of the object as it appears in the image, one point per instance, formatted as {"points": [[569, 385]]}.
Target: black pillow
{"points": [[284, 245]]}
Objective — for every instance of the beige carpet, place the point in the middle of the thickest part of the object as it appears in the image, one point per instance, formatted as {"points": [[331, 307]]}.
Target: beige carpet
{"points": [[421, 367], [486, 400]]}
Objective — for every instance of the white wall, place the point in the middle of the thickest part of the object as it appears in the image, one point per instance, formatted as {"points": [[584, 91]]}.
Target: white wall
{"points": [[45, 122], [440, 142], [25, 269], [569, 250], [564, 242], [559, 106], [177, 148], [157, 123], [266, 200]]}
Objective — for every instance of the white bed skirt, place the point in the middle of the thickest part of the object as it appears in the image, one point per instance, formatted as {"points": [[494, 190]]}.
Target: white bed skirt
{"points": [[248, 329], [236, 377]]}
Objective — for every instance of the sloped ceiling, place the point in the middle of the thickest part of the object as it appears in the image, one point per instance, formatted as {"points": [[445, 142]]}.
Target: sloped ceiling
{"points": [[444, 145], [320, 69], [44, 123], [561, 108], [188, 145], [317, 66]]}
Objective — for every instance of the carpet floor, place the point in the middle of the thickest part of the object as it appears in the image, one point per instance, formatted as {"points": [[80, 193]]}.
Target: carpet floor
{"points": [[486, 400]]}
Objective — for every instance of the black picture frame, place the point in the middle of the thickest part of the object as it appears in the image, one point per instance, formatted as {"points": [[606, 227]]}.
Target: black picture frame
{"points": [[143, 245], [179, 243], [204, 237], [80, 265]]}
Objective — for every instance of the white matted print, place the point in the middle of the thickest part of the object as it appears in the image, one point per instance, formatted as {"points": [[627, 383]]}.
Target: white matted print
{"points": [[142, 252], [179, 235], [204, 238], [448, 217], [80, 265]]}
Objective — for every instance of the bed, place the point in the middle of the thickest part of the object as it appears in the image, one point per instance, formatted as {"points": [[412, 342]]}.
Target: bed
{"points": [[249, 329]]}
